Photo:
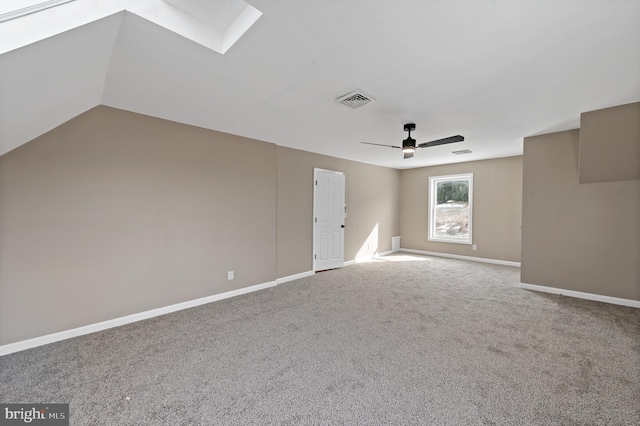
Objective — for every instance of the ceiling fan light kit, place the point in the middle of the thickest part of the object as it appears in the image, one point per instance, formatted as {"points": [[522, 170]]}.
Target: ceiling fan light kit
{"points": [[409, 144]]}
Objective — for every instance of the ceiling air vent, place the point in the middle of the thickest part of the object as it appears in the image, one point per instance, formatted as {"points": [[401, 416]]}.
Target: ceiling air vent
{"points": [[462, 151], [355, 99]]}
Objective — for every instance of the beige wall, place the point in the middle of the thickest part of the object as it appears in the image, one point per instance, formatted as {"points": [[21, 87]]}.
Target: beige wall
{"points": [[581, 237], [497, 203], [115, 213], [609, 148], [372, 198]]}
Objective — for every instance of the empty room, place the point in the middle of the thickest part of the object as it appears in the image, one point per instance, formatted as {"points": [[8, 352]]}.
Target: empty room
{"points": [[231, 212]]}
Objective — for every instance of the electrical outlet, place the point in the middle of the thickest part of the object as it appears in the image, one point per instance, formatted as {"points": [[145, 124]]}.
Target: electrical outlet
{"points": [[475, 247], [230, 275]]}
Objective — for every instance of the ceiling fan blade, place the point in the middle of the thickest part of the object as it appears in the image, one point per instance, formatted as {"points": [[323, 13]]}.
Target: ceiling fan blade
{"points": [[450, 139], [379, 144], [408, 155]]}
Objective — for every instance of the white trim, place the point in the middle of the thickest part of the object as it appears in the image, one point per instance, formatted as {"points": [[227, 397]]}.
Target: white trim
{"points": [[43, 5], [457, 256], [580, 295], [367, 258], [294, 277], [116, 322], [433, 194]]}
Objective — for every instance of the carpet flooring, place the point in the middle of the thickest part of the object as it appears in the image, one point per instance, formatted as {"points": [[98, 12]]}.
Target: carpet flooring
{"points": [[401, 340]]}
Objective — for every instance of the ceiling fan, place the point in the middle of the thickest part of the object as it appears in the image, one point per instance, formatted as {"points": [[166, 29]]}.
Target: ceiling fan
{"points": [[409, 144]]}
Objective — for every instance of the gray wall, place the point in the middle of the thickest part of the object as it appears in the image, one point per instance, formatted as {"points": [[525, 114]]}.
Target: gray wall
{"points": [[609, 148], [497, 203], [115, 213], [581, 237], [372, 197]]}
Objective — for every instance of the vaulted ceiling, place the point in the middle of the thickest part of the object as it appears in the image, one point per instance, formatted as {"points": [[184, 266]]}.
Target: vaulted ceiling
{"points": [[494, 71]]}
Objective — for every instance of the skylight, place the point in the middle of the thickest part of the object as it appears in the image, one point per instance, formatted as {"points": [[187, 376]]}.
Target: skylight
{"points": [[216, 24], [226, 20], [11, 9]]}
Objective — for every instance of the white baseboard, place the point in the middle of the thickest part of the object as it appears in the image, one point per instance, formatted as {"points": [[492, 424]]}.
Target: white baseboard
{"points": [[457, 256], [116, 322], [366, 258], [294, 277], [581, 295]]}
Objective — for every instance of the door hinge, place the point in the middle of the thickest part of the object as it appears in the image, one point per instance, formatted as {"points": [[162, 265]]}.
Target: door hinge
{"points": [[316, 220], [316, 183], [315, 257]]}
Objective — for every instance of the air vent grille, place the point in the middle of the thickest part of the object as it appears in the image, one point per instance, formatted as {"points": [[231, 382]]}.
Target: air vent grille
{"points": [[462, 151], [355, 99]]}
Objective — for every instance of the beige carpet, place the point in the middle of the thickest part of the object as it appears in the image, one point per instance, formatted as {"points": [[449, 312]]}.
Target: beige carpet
{"points": [[402, 340]]}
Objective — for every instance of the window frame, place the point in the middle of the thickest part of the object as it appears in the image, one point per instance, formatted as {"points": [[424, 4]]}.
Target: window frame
{"points": [[433, 202]]}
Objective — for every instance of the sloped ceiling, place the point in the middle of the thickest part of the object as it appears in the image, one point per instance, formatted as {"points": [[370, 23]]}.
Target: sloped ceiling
{"points": [[493, 71], [47, 83]]}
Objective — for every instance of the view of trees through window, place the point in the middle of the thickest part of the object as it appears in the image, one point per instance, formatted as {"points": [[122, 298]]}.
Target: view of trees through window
{"points": [[451, 211], [453, 191]]}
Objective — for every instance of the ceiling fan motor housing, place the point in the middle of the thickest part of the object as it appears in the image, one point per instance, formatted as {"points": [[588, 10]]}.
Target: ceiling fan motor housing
{"points": [[409, 144]]}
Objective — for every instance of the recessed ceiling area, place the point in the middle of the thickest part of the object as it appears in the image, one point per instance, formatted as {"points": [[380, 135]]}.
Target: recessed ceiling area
{"points": [[13, 9], [218, 14], [492, 71], [216, 24]]}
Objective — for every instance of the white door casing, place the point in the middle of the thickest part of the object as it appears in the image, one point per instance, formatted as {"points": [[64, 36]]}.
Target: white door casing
{"points": [[328, 220]]}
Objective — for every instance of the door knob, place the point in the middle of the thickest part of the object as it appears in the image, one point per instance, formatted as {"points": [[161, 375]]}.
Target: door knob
{"points": [[341, 226]]}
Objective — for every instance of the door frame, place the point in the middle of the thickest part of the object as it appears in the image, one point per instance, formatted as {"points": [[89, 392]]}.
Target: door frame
{"points": [[313, 212]]}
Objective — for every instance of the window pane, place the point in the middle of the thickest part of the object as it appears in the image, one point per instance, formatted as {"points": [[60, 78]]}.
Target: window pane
{"points": [[452, 220], [452, 209]]}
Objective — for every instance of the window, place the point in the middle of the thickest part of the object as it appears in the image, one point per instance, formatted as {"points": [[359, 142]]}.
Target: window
{"points": [[451, 208]]}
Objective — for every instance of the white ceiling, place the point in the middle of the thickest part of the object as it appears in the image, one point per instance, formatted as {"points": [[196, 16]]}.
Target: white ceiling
{"points": [[494, 71]]}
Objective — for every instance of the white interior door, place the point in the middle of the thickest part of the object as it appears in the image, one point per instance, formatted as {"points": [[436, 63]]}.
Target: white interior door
{"points": [[328, 221]]}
